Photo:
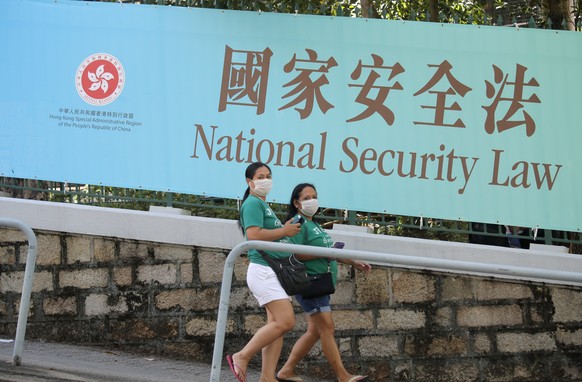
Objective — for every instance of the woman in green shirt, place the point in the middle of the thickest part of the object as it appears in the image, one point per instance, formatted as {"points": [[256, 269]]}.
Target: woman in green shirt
{"points": [[320, 325], [258, 222]]}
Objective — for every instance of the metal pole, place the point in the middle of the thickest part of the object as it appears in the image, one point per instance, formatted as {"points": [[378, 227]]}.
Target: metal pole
{"points": [[223, 310], [26, 286], [384, 259]]}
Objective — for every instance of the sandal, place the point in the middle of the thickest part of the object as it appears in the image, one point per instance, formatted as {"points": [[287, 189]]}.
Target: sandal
{"points": [[236, 369]]}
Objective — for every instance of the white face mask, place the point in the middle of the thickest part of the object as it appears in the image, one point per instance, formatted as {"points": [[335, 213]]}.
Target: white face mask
{"points": [[309, 207], [262, 187]]}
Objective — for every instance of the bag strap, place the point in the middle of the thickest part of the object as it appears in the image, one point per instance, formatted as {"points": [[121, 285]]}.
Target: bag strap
{"points": [[267, 258], [305, 243], [328, 259], [274, 264]]}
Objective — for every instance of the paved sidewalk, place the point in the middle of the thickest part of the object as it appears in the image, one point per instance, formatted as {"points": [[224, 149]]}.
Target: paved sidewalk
{"points": [[53, 362], [62, 362]]}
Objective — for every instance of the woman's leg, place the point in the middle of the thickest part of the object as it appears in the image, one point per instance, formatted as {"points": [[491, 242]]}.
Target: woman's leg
{"points": [[272, 352], [300, 350], [323, 321], [280, 320]]}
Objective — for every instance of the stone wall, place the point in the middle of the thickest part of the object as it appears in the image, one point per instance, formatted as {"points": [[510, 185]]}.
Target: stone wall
{"points": [[393, 324]]}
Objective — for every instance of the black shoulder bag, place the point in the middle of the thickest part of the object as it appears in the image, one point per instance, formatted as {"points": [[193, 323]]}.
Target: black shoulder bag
{"points": [[320, 284], [292, 273]]}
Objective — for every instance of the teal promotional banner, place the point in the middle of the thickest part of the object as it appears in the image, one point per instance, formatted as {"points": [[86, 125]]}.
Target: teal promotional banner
{"points": [[458, 122]]}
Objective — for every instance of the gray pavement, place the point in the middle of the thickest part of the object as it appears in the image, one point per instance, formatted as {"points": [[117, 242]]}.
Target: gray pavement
{"points": [[63, 362], [42, 361]]}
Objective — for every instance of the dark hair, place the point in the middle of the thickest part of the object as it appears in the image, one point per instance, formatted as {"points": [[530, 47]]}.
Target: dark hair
{"points": [[291, 209], [249, 174]]}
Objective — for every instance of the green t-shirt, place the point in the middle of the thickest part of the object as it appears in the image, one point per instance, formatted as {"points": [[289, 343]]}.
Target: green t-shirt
{"points": [[313, 234], [255, 212]]}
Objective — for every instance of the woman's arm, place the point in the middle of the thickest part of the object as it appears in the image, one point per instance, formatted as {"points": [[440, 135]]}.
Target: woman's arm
{"points": [[306, 257], [358, 264], [258, 233]]}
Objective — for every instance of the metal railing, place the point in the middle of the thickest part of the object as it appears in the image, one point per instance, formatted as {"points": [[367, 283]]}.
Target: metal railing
{"points": [[376, 257], [26, 286]]}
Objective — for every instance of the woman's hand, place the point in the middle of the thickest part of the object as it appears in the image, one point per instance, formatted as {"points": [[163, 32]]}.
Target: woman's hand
{"points": [[291, 229], [361, 265]]}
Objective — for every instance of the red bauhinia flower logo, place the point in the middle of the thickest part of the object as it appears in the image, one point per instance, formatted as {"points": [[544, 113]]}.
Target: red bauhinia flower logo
{"points": [[100, 79]]}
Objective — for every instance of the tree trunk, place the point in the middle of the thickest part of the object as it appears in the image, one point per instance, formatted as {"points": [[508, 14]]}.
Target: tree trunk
{"points": [[369, 9], [558, 11], [433, 9]]}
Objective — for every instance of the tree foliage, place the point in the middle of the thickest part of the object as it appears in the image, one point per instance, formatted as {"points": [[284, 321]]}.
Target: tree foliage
{"points": [[550, 14]]}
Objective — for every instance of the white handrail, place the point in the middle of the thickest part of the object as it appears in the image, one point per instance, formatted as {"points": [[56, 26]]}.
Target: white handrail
{"points": [[26, 286], [376, 257]]}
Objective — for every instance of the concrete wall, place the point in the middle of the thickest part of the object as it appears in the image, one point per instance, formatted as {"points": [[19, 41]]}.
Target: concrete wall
{"points": [[151, 281]]}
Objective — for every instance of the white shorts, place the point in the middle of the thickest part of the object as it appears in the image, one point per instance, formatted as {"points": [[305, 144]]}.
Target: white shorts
{"points": [[264, 284]]}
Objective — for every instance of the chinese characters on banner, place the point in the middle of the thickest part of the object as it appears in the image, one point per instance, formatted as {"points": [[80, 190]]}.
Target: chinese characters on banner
{"points": [[246, 74]]}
